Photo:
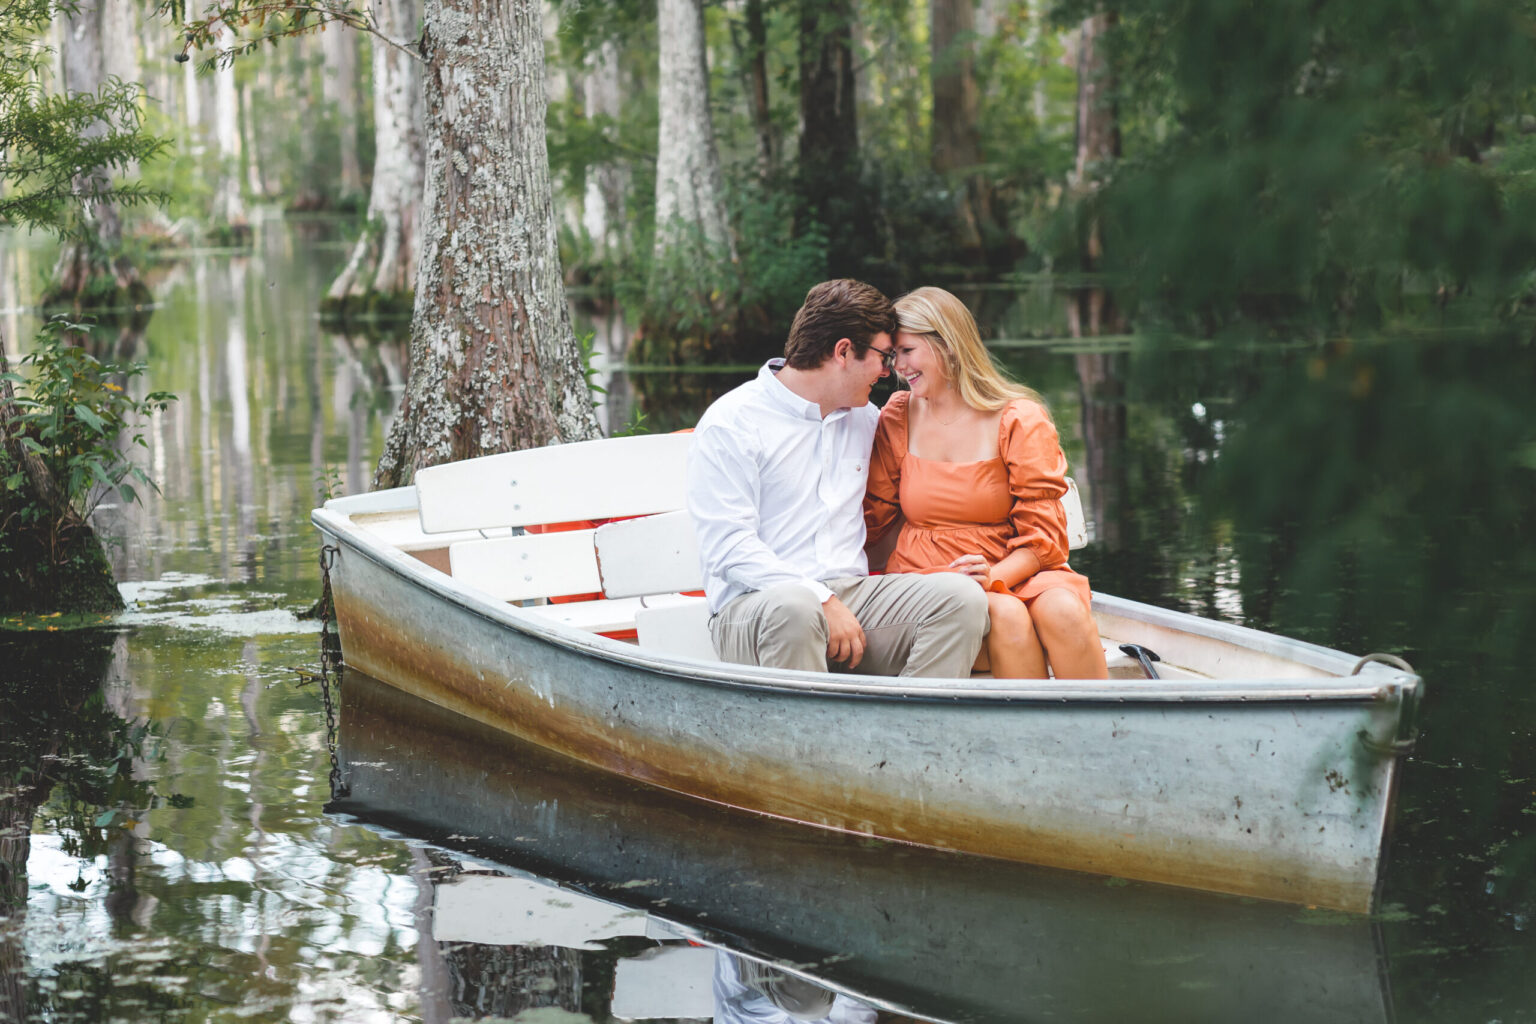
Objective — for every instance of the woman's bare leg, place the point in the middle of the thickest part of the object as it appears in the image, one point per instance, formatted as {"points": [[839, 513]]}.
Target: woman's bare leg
{"points": [[1012, 647], [1069, 635]]}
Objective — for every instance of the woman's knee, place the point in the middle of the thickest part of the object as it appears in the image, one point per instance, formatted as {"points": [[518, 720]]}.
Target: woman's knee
{"points": [[1061, 612], [1010, 618]]}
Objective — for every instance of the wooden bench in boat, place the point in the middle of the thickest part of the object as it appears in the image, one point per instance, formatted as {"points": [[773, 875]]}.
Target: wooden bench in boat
{"points": [[643, 566]]}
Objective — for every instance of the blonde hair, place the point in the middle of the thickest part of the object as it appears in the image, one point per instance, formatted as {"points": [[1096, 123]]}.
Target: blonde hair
{"points": [[951, 332]]}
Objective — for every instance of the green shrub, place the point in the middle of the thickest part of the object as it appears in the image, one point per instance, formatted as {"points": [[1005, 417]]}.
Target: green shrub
{"points": [[72, 411]]}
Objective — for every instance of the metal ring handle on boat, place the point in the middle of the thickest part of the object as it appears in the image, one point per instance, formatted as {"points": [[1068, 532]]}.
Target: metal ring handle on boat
{"points": [[1385, 659], [1407, 731]]}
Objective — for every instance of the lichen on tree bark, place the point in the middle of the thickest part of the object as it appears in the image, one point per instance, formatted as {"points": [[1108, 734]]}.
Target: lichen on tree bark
{"points": [[494, 362]]}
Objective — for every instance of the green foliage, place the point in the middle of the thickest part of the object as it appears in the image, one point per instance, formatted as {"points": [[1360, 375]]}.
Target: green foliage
{"points": [[186, 176], [73, 413], [49, 142], [1304, 171]]}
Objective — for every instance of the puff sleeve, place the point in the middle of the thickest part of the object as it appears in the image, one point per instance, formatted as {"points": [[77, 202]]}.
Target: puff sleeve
{"points": [[1037, 470], [882, 499]]}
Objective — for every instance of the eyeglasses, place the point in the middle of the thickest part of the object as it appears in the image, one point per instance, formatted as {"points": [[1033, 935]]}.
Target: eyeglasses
{"points": [[887, 356]]}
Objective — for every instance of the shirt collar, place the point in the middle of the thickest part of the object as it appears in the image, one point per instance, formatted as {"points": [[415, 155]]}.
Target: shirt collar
{"points": [[784, 398]]}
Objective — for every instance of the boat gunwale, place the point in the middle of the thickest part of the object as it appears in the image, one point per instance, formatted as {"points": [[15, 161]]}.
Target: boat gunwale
{"points": [[1397, 686]]}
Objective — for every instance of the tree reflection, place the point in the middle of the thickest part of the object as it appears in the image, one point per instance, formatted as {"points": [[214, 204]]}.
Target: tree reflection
{"points": [[65, 747]]}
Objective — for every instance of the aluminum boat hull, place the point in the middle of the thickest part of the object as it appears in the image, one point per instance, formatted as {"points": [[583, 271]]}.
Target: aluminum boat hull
{"points": [[1273, 788]]}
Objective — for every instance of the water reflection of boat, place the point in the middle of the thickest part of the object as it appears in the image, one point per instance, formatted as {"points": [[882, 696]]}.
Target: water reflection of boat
{"points": [[940, 934]]}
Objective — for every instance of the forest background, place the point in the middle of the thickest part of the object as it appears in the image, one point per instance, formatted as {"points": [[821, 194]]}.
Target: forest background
{"points": [[1300, 176], [1294, 170]]}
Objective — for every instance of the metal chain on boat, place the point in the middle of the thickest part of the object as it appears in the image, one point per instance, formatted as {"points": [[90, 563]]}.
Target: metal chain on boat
{"points": [[1408, 732], [330, 665]]}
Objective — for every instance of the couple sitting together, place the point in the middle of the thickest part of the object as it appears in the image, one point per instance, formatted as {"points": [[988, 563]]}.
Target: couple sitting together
{"points": [[792, 475]]}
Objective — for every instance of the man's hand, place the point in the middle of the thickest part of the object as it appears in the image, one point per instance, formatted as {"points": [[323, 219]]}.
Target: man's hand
{"points": [[845, 637]]}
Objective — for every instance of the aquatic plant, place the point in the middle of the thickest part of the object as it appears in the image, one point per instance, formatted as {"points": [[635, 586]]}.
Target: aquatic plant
{"points": [[64, 455]]}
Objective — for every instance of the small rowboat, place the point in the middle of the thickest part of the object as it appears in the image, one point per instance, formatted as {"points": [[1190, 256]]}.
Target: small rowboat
{"points": [[1256, 765]]}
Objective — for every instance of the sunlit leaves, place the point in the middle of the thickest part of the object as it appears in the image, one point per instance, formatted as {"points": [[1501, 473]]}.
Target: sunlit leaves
{"points": [[72, 412], [54, 148]]}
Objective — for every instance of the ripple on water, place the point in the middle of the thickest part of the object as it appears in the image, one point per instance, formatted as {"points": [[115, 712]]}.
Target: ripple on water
{"points": [[167, 602]]}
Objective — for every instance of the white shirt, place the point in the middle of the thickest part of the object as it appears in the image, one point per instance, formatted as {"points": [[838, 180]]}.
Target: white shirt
{"points": [[777, 492]]}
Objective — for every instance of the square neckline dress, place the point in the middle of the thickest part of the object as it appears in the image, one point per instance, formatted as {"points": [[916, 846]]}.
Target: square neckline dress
{"points": [[991, 507]]}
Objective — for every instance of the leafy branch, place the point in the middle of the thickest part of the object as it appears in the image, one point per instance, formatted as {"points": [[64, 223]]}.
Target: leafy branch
{"points": [[272, 20]]}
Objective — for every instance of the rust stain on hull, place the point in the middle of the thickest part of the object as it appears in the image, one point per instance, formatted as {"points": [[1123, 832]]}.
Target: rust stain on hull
{"points": [[506, 698]]}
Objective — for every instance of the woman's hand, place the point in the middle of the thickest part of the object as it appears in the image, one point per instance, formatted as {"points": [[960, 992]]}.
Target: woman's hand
{"points": [[975, 566]]}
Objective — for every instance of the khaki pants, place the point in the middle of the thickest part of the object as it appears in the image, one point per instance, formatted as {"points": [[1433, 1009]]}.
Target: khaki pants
{"points": [[914, 625]]}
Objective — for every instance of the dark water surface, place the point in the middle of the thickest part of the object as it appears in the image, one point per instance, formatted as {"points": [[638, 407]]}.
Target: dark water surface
{"points": [[166, 852]]}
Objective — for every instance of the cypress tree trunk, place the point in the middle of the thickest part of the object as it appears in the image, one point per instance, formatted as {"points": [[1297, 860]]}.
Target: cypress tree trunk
{"points": [[229, 199], [690, 190], [756, 63], [829, 171], [382, 269], [956, 141], [602, 206], [1091, 311], [86, 265], [494, 362], [339, 44]]}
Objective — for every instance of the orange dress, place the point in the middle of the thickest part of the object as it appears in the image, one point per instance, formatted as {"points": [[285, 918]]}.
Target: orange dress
{"points": [[990, 508]]}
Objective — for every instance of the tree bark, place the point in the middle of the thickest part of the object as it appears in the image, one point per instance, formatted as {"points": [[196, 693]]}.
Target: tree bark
{"points": [[603, 199], [956, 142], [829, 124], [83, 67], [229, 199], [1091, 311], [339, 44], [756, 63], [690, 189], [494, 362], [384, 259], [829, 168]]}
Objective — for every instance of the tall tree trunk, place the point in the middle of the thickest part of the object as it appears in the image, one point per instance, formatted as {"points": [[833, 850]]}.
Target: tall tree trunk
{"points": [[829, 129], [1033, 46], [121, 59], [606, 184], [956, 141], [690, 190], [384, 259], [756, 64], [1091, 312], [83, 68], [339, 45], [494, 362], [193, 99], [229, 199]]}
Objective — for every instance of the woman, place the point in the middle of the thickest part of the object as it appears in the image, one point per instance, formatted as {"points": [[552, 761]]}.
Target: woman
{"points": [[971, 461]]}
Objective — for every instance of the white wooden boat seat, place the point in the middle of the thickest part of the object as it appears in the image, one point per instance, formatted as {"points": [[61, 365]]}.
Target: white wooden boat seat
{"points": [[471, 510], [619, 476]]}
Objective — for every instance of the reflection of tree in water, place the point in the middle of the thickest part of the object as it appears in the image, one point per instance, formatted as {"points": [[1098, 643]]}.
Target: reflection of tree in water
{"points": [[1366, 496], [63, 745]]}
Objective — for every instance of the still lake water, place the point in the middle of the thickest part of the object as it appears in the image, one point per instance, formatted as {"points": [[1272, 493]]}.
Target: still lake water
{"points": [[166, 851]]}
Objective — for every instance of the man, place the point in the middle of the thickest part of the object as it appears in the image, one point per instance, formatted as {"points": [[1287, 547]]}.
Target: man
{"points": [[776, 480]]}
